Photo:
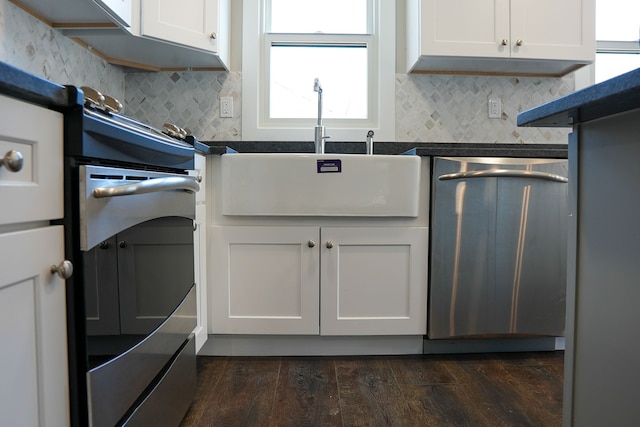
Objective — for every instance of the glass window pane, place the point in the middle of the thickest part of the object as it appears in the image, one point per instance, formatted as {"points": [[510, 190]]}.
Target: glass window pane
{"points": [[609, 65], [343, 76], [319, 16], [618, 20]]}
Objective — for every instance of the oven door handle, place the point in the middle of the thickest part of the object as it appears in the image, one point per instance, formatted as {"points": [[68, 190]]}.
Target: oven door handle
{"points": [[498, 173], [150, 186]]}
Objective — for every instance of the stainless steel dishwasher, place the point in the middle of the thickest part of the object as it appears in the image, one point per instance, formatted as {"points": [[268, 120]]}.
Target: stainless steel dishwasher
{"points": [[498, 248]]}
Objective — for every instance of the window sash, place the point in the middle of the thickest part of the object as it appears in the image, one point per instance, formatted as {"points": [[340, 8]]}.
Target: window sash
{"points": [[382, 77], [271, 40]]}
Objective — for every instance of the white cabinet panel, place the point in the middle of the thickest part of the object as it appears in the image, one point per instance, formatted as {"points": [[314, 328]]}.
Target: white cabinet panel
{"points": [[200, 276], [35, 191], [34, 389], [374, 281], [551, 29], [265, 280], [192, 23]]}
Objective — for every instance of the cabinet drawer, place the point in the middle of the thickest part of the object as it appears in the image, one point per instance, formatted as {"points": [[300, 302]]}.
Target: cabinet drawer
{"points": [[34, 191]]}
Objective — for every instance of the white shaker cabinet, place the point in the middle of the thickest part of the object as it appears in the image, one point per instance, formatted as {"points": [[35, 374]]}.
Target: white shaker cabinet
{"points": [[544, 37], [373, 281], [328, 280], [34, 390], [196, 23], [264, 280], [151, 35]]}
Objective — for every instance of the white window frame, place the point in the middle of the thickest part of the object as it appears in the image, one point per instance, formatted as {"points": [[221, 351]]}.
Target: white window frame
{"points": [[255, 127]]}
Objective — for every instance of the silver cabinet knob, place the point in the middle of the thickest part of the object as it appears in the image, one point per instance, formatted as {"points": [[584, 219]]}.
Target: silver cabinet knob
{"points": [[519, 42], [104, 245], [504, 42], [329, 244], [64, 269], [213, 36], [311, 243], [122, 244], [13, 161]]}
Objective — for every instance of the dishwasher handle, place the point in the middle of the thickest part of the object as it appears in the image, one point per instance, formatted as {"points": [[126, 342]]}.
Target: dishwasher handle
{"points": [[498, 173], [150, 186]]}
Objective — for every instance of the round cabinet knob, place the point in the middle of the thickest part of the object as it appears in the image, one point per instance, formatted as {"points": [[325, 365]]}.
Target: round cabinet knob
{"points": [[122, 244], [311, 243], [504, 42], [105, 245], [64, 269], [213, 36], [519, 42], [13, 161], [329, 244]]}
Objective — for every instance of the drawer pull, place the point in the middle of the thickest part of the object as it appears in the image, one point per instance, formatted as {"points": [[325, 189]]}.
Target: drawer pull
{"points": [[13, 161]]}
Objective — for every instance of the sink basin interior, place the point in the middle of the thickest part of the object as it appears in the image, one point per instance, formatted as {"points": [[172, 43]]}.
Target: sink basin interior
{"points": [[298, 184]]}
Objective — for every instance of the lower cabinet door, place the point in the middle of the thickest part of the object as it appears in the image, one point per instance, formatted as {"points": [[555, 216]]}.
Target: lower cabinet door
{"points": [[374, 281], [264, 280], [34, 388]]}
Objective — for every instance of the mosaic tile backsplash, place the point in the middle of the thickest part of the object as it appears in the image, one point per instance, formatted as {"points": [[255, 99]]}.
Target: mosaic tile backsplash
{"points": [[30, 45], [429, 108]]}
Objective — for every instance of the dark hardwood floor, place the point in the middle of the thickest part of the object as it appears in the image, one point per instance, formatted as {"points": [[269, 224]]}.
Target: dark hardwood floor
{"points": [[507, 389]]}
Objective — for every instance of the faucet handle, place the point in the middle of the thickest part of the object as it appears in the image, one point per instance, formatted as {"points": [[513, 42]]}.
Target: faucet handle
{"points": [[370, 142]]}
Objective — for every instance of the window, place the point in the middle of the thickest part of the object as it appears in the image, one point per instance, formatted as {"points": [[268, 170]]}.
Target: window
{"points": [[617, 35], [349, 45]]}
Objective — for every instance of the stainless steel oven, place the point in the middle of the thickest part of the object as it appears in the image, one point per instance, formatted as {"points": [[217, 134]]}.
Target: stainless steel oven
{"points": [[129, 211]]}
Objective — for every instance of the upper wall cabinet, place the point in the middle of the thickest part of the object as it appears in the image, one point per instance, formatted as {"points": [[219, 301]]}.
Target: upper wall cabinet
{"points": [[524, 37], [145, 34], [194, 23]]}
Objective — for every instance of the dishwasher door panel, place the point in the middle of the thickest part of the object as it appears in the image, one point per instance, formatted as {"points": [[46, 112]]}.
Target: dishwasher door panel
{"points": [[498, 261]]}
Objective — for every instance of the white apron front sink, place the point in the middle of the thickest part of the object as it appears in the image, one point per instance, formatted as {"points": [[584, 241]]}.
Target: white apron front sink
{"points": [[298, 184]]}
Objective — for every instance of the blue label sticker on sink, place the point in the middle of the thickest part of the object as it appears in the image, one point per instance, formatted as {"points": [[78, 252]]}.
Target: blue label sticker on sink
{"points": [[330, 166]]}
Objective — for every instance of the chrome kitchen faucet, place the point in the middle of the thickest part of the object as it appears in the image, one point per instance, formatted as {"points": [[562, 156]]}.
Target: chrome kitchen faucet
{"points": [[319, 135]]}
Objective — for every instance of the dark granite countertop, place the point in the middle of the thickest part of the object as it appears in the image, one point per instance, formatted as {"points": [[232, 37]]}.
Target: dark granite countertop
{"points": [[613, 96], [421, 148], [22, 85]]}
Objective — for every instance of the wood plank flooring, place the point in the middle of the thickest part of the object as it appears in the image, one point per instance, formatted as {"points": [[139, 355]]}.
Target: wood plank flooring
{"points": [[507, 389]]}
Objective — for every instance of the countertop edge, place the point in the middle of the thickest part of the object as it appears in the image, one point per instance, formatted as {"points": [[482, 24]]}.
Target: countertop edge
{"points": [[449, 149], [31, 88], [617, 95]]}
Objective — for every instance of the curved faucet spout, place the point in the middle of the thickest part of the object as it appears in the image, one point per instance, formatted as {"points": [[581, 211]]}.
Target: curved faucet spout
{"points": [[319, 135], [316, 85]]}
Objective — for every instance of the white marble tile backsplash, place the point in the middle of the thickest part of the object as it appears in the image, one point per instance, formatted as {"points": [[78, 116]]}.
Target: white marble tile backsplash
{"points": [[429, 108]]}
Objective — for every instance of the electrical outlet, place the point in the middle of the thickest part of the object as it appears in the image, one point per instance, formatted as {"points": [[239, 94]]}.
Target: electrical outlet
{"points": [[226, 106], [495, 108]]}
